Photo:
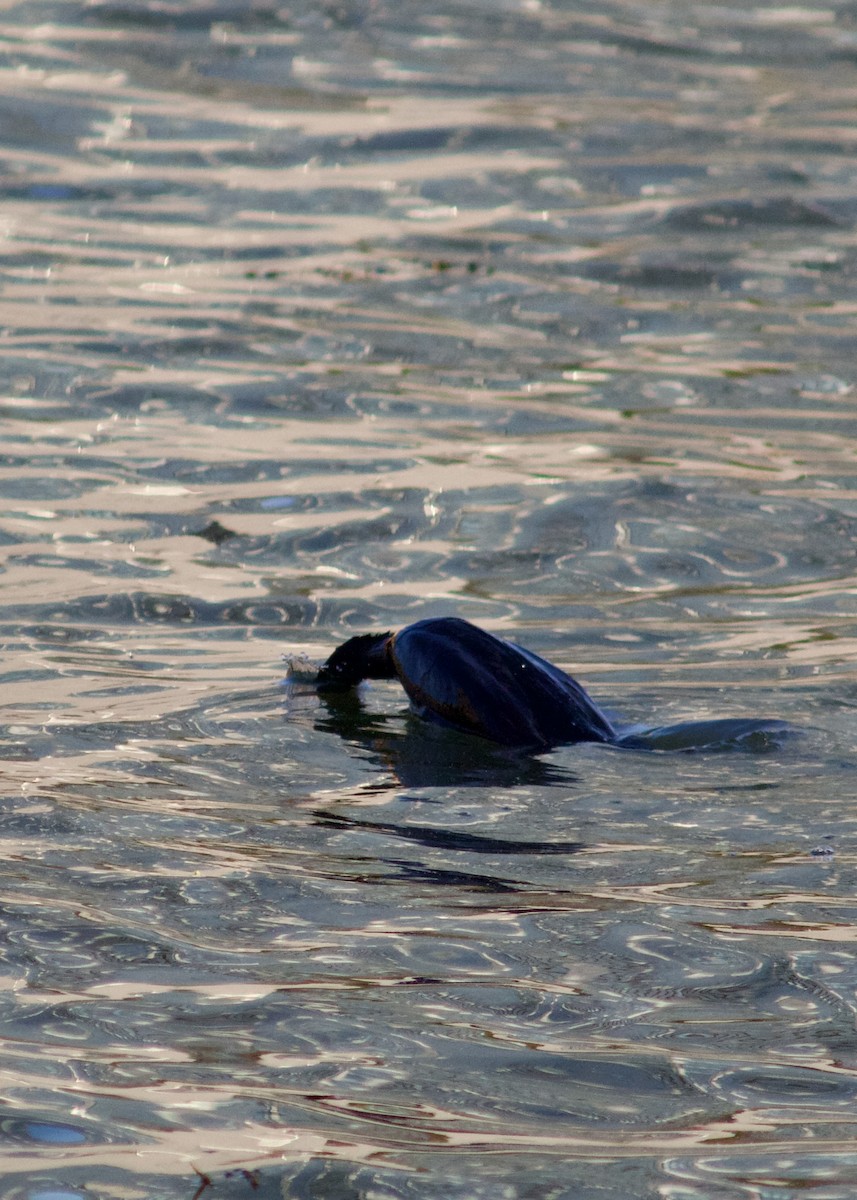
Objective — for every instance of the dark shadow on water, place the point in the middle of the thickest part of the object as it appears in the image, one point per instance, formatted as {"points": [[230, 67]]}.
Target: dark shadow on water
{"points": [[443, 876], [446, 839], [420, 754]]}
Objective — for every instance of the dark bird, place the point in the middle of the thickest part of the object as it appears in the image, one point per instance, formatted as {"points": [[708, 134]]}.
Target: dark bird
{"points": [[458, 675]]}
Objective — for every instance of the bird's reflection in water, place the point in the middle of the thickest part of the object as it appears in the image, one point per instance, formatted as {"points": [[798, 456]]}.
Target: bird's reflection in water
{"points": [[446, 839], [421, 754]]}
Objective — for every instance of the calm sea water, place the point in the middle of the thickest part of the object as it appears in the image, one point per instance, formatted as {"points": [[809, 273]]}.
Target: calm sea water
{"points": [[321, 318]]}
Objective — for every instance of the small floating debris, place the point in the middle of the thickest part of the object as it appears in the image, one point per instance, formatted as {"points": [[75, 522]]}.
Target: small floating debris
{"points": [[822, 852], [214, 532]]}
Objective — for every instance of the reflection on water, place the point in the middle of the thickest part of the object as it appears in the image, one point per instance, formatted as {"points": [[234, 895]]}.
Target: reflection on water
{"points": [[324, 318], [424, 755]]}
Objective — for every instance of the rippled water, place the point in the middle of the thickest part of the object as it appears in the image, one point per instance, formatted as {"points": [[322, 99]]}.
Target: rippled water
{"points": [[323, 318]]}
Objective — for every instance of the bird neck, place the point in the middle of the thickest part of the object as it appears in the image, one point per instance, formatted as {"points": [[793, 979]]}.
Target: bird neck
{"points": [[379, 659]]}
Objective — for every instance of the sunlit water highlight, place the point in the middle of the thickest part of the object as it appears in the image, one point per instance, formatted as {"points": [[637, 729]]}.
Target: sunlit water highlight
{"points": [[321, 319]]}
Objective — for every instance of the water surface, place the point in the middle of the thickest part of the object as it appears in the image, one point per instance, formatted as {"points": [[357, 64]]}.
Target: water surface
{"points": [[324, 318]]}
